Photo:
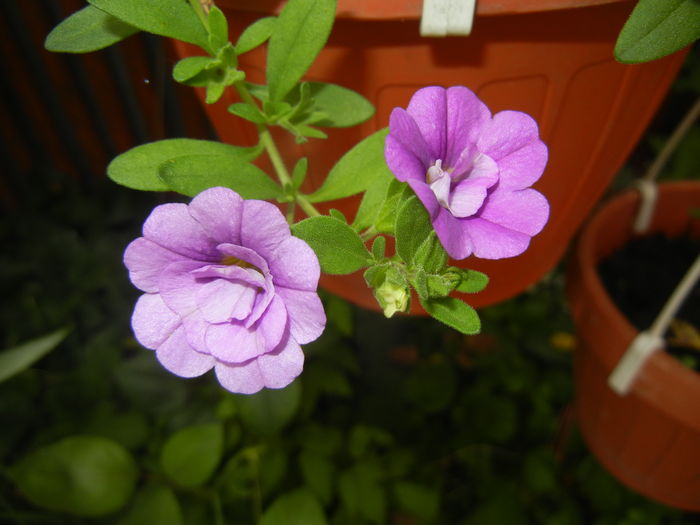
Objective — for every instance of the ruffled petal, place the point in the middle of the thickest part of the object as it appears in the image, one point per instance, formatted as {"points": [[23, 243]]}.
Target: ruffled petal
{"points": [[172, 227], [273, 370], [177, 356], [469, 194], [145, 260], [493, 241], [428, 107], [152, 321], [218, 211], [307, 319], [466, 117], [507, 132], [178, 286], [220, 300], [263, 227], [525, 211], [295, 265]]}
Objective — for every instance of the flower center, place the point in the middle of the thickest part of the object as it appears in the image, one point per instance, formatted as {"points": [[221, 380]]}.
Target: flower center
{"points": [[439, 181], [230, 260]]}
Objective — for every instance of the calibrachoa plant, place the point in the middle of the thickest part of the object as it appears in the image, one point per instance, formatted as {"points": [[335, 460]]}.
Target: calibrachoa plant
{"points": [[229, 280]]}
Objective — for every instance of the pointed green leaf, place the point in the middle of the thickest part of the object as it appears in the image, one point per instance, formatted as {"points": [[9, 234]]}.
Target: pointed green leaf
{"points": [[658, 28], [171, 18], [301, 31], [454, 313], [430, 255], [413, 227], [191, 174], [373, 201], [255, 34], [189, 67], [472, 281], [138, 167], [379, 247], [80, 475], [218, 29], [299, 172], [359, 168], [191, 455], [15, 360], [299, 507], [247, 112], [338, 247], [87, 30], [341, 106]]}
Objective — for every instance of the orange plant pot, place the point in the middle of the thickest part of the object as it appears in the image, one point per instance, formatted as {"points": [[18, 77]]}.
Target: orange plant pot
{"points": [[543, 57], [648, 439]]}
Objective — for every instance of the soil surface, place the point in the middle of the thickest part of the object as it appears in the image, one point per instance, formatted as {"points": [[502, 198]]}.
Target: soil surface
{"points": [[641, 277]]}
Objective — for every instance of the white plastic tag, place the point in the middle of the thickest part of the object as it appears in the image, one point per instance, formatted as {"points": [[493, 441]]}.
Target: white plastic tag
{"points": [[447, 17]]}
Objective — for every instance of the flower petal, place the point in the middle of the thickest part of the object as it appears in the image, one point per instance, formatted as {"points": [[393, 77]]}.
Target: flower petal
{"points": [[453, 237], [172, 227], [273, 370], [522, 168], [145, 260], [307, 319], [466, 117], [405, 131], [220, 300], [152, 321], [403, 162], [428, 107], [295, 265], [263, 227], [218, 211], [525, 211], [493, 241], [469, 194], [427, 197], [235, 343], [178, 286], [507, 132], [177, 356]]}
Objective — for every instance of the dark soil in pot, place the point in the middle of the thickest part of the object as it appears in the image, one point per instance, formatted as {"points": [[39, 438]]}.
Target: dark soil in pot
{"points": [[640, 278]]}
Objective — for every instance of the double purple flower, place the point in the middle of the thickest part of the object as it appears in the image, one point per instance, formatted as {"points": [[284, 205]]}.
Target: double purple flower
{"points": [[226, 287], [470, 170]]}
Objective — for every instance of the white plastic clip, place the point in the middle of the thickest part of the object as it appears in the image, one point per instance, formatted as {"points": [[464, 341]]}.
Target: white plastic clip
{"points": [[649, 193], [624, 374], [447, 17]]}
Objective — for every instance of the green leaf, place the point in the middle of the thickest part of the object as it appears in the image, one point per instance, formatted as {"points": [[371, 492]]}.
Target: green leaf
{"points": [[247, 112], [419, 500], [189, 67], [255, 34], [174, 19], [87, 30], [218, 29], [299, 507], [431, 386], [430, 255], [361, 493], [397, 193], [299, 172], [413, 227], [357, 170], [338, 247], [379, 248], [80, 475], [138, 167], [15, 360], [192, 174], [269, 411], [342, 107], [154, 505], [191, 455], [376, 194], [472, 281], [454, 313], [301, 31], [318, 472], [656, 29]]}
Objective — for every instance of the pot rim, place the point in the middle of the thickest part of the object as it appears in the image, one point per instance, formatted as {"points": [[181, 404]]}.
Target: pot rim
{"points": [[412, 9], [661, 369]]}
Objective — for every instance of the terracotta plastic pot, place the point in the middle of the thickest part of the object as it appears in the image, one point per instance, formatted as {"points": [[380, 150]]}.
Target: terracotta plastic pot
{"points": [[650, 438], [543, 57]]}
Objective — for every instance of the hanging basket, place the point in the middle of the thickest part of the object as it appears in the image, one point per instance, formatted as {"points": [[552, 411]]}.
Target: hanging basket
{"points": [[649, 438], [552, 59]]}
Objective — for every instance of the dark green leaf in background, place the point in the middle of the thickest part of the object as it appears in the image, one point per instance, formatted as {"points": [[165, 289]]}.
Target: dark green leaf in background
{"points": [[81, 475], [154, 505], [657, 28], [19, 358], [268, 411], [299, 507], [161, 17], [301, 31], [338, 247], [190, 456], [87, 30]]}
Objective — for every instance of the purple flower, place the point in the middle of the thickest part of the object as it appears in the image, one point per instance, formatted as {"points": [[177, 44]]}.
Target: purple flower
{"points": [[227, 287], [470, 170]]}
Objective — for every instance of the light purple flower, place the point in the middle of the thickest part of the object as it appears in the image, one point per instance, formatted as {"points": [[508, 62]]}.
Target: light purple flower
{"points": [[227, 287], [470, 170]]}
